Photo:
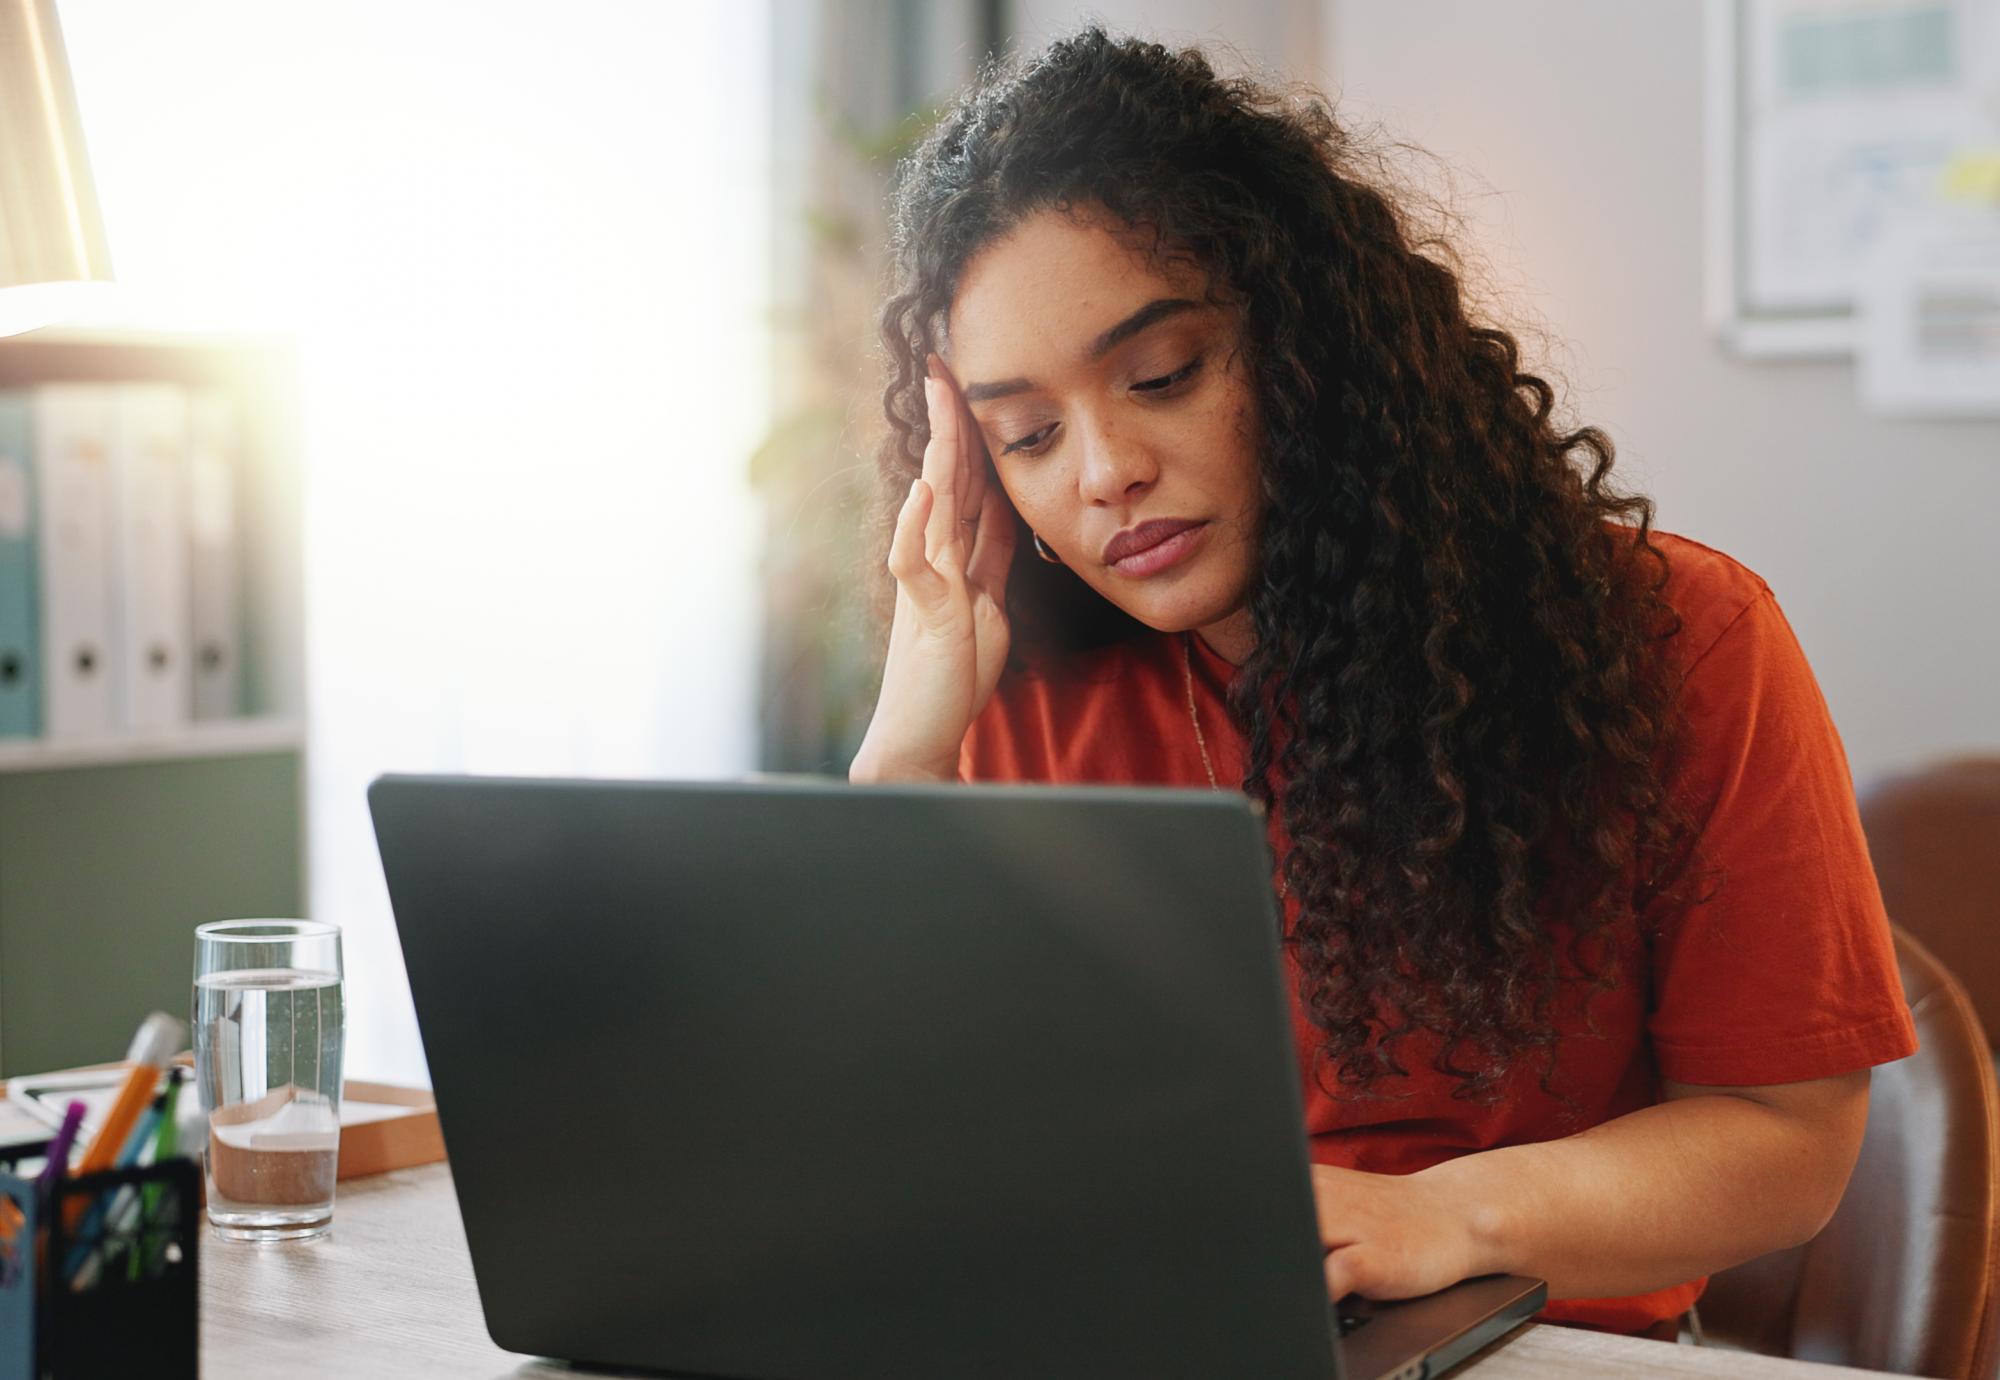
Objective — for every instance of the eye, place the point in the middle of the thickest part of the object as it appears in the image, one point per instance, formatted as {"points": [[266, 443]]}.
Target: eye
{"points": [[1166, 386], [1029, 444], [1169, 382]]}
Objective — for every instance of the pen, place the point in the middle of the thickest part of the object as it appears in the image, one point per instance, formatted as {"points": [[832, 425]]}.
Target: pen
{"points": [[169, 1139], [164, 1149], [147, 1127], [58, 1161], [12, 1219]]}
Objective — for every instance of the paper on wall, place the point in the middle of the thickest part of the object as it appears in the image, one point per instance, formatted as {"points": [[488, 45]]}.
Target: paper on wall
{"points": [[1853, 108], [1929, 316], [1983, 58]]}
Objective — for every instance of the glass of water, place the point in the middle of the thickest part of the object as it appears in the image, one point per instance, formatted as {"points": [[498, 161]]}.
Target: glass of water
{"points": [[268, 1030]]}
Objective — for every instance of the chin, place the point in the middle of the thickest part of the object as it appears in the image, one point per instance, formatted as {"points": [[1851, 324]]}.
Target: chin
{"points": [[1183, 600], [1182, 614]]}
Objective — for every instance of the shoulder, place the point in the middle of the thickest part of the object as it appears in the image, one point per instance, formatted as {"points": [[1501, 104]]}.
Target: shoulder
{"points": [[1710, 594], [1771, 954], [1753, 714]]}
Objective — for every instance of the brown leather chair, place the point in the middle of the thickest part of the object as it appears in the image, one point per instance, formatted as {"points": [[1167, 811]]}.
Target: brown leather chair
{"points": [[1906, 1277], [1934, 835]]}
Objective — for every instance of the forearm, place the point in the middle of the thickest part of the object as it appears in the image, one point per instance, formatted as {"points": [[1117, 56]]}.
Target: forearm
{"points": [[1653, 1198]]}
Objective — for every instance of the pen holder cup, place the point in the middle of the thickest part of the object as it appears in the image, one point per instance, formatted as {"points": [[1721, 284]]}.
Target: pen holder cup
{"points": [[99, 1277]]}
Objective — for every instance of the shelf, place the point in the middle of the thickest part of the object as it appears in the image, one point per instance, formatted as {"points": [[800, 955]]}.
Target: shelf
{"points": [[112, 845], [221, 738]]}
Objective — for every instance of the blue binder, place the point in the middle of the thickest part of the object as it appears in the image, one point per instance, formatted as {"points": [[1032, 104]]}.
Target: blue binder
{"points": [[20, 614]]}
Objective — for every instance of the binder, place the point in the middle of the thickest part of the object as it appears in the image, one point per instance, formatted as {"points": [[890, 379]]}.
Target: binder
{"points": [[20, 653], [212, 554], [71, 428], [149, 607]]}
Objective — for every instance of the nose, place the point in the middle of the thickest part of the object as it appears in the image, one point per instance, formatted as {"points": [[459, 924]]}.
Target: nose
{"points": [[1117, 466]]}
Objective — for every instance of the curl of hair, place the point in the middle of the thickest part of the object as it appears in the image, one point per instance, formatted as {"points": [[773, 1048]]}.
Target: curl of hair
{"points": [[1458, 706]]}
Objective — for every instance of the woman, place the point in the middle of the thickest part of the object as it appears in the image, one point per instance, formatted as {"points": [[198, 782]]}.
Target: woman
{"points": [[1589, 962]]}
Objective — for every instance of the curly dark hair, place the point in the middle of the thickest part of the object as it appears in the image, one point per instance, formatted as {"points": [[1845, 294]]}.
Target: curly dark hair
{"points": [[1458, 705]]}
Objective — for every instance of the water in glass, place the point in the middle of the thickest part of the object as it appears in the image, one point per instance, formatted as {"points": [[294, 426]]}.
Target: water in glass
{"points": [[268, 1048]]}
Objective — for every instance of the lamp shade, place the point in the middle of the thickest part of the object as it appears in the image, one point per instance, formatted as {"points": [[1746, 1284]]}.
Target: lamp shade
{"points": [[51, 232]]}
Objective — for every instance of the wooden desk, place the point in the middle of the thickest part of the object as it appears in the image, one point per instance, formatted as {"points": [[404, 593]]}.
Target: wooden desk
{"points": [[389, 1294]]}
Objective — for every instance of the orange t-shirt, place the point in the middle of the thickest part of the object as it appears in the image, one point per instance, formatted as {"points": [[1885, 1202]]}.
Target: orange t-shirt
{"points": [[1784, 973]]}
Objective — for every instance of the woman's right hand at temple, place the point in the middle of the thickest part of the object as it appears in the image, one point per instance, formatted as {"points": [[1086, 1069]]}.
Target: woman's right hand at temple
{"points": [[953, 546]]}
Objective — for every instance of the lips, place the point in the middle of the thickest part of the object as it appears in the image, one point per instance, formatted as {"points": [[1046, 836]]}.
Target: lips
{"points": [[1146, 534]]}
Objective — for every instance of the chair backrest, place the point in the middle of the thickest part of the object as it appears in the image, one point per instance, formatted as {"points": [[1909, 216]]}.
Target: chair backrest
{"points": [[1934, 835], [1904, 1277]]}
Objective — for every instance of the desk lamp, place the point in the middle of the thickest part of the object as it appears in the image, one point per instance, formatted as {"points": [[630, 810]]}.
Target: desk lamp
{"points": [[51, 233]]}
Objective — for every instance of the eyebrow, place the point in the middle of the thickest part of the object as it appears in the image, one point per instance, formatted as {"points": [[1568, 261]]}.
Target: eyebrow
{"points": [[1153, 312]]}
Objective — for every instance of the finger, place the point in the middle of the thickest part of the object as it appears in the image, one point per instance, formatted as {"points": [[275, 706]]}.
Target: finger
{"points": [[993, 547], [941, 532], [1346, 1274], [906, 549], [972, 461], [976, 481]]}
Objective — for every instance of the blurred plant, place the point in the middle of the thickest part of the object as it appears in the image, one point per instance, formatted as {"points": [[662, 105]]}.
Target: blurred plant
{"points": [[815, 470]]}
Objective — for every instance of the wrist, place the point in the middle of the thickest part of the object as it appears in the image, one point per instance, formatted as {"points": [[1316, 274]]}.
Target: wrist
{"points": [[870, 768], [1481, 1196]]}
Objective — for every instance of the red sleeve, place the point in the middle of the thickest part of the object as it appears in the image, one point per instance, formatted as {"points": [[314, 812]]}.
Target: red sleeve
{"points": [[1785, 971]]}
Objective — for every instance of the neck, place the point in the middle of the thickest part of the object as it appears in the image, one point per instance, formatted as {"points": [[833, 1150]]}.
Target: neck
{"points": [[1232, 638]]}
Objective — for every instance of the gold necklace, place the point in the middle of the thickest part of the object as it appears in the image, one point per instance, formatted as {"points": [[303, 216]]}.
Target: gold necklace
{"points": [[1187, 674], [1187, 678]]}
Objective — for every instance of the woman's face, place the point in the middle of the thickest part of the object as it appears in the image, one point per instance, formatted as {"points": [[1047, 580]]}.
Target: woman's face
{"points": [[1121, 418]]}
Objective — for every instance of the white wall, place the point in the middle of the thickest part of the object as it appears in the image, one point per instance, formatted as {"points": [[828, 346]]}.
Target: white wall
{"points": [[1584, 120], [526, 267], [1286, 35]]}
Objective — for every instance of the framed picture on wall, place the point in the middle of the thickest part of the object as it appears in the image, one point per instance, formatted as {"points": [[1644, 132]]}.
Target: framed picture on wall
{"points": [[1827, 122]]}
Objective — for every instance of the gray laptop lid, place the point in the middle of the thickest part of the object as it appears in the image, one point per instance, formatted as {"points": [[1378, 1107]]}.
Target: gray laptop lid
{"points": [[810, 1080]]}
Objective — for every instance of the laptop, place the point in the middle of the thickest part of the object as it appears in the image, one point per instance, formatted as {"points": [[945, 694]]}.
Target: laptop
{"points": [[798, 1080]]}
